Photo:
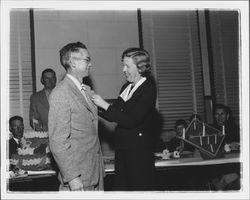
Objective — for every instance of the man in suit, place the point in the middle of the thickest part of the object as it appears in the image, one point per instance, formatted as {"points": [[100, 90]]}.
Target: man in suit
{"points": [[39, 105], [16, 127], [223, 117], [73, 121]]}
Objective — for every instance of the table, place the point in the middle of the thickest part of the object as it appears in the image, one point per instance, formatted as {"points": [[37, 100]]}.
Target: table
{"points": [[186, 160], [168, 173], [32, 175], [187, 173], [198, 161], [34, 181]]}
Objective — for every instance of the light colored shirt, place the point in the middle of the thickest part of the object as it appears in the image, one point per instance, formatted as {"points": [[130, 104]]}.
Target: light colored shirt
{"points": [[80, 86], [47, 94], [16, 140], [127, 94], [76, 82]]}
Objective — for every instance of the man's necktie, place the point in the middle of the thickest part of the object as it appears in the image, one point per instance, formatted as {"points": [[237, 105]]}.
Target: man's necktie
{"points": [[83, 89], [86, 95], [19, 143]]}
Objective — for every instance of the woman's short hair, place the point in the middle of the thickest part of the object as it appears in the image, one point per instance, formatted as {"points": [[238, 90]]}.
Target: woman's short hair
{"points": [[141, 59], [66, 51]]}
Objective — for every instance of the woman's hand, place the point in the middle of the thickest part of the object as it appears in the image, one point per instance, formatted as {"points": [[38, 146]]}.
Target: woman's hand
{"points": [[99, 101]]}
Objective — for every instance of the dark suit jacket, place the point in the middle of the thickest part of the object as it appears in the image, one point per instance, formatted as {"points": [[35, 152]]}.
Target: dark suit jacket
{"points": [[175, 142], [231, 132], [12, 147], [39, 109], [134, 117]]}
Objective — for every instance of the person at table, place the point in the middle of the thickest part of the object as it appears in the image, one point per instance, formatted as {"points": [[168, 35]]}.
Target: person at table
{"points": [[223, 117], [39, 104], [133, 111], [16, 127], [73, 125], [176, 144]]}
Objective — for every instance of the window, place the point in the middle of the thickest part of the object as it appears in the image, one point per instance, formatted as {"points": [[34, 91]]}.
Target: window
{"points": [[20, 75], [173, 38], [224, 26]]}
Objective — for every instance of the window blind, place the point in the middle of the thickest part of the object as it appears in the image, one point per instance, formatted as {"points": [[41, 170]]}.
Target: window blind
{"points": [[174, 39], [20, 76], [225, 41]]}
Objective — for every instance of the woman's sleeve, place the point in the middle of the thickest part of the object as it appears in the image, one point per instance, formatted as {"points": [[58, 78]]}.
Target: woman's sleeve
{"points": [[130, 119]]}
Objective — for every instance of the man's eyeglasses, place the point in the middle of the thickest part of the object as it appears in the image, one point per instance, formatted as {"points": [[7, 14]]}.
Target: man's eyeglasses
{"points": [[87, 60]]}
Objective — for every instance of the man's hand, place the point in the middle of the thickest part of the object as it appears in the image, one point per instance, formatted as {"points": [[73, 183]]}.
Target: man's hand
{"points": [[37, 125], [179, 148], [76, 184], [234, 146]]}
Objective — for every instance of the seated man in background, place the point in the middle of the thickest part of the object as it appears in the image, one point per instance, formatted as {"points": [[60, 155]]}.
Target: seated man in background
{"points": [[39, 105], [16, 127], [222, 117], [175, 143]]}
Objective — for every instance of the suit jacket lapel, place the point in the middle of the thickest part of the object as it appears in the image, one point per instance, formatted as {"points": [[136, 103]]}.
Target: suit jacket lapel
{"points": [[80, 96], [44, 99], [138, 90]]}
